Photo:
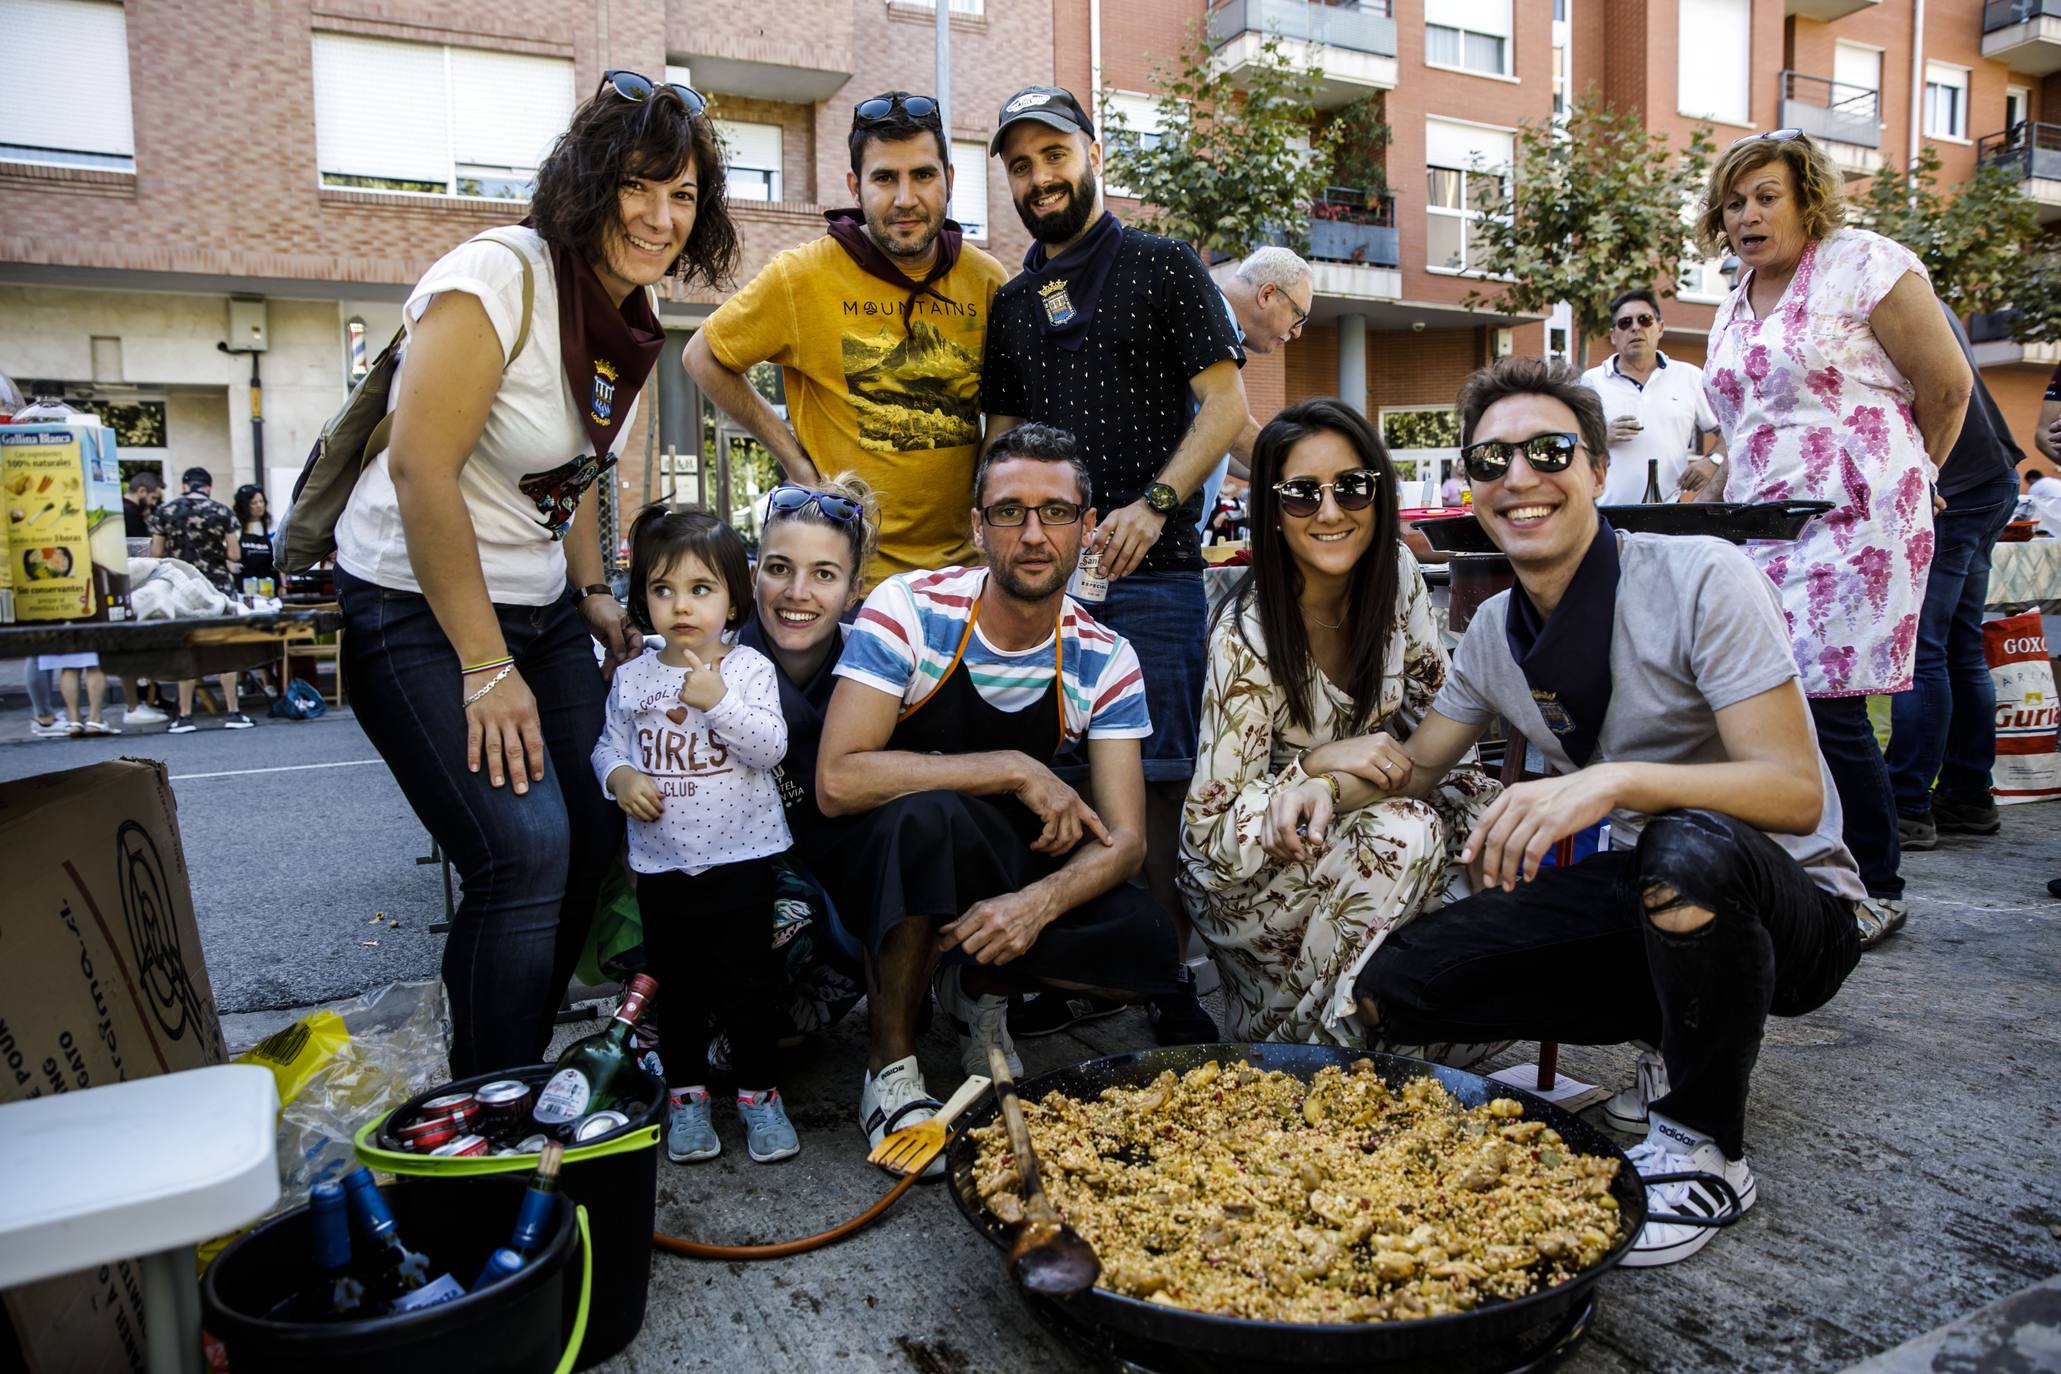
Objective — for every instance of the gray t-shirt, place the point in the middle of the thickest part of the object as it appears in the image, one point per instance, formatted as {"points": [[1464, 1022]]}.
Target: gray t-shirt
{"points": [[1698, 629]]}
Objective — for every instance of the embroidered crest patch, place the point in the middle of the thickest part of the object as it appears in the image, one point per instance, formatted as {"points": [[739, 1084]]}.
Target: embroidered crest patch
{"points": [[1058, 305], [602, 404]]}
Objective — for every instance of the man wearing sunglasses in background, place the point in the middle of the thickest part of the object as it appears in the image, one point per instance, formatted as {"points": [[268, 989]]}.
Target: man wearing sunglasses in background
{"points": [[1120, 338], [878, 327], [1654, 675], [956, 841], [1656, 411]]}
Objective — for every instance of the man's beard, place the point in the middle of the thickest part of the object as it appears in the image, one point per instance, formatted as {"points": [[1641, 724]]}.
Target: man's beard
{"points": [[1023, 588], [1063, 225], [886, 243]]}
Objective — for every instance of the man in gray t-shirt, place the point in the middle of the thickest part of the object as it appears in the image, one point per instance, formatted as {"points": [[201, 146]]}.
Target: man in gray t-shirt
{"points": [[1654, 675]]}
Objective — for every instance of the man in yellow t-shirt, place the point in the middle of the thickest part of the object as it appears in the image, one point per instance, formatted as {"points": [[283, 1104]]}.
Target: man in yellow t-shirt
{"points": [[879, 327]]}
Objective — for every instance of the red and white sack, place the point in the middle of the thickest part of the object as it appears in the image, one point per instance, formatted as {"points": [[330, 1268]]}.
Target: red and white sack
{"points": [[2028, 766]]}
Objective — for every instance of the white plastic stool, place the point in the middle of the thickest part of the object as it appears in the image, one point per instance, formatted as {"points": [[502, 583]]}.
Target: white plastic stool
{"points": [[147, 1168]]}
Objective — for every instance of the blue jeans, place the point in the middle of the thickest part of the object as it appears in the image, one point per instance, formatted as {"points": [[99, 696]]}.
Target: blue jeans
{"points": [[1164, 616], [1945, 726], [1847, 740], [531, 865]]}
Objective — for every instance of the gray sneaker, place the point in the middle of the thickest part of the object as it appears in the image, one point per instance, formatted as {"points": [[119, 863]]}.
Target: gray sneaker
{"points": [[690, 1134], [768, 1134], [1879, 918]]}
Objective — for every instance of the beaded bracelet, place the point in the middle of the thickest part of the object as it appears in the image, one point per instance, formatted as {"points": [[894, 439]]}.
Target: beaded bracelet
{"points": [[490, 665], [492, 683]]}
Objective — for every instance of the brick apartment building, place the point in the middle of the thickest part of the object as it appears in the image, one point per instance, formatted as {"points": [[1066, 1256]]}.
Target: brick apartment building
{"points": [[291, 168]]}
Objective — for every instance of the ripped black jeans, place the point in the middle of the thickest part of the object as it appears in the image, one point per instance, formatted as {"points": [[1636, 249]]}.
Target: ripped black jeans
{"points": [[1572, 958]]}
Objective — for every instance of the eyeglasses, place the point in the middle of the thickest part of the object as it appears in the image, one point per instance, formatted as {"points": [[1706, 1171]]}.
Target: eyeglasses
{"points": [[631, 86], [1773, 136], [788, 499], [1642, 320], [1007, 515], [1304, 496], [1302, 316], [920, 108], [1489, 460]]}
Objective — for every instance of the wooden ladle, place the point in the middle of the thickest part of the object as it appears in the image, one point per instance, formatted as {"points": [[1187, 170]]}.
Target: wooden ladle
{"points": [[1049, 1257]]}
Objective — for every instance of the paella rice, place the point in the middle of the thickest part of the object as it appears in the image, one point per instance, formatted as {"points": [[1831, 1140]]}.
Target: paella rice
{"points": [[1255, 1194]]}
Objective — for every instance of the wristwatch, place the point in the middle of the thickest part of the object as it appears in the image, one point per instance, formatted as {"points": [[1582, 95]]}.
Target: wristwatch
{"points": [[1162, 497], [596, 589]]}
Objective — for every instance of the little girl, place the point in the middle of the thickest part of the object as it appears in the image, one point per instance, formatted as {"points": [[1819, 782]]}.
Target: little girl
{"points": [[692, 733]]}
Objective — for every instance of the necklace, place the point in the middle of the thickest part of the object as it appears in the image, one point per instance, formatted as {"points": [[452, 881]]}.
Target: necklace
{"points": [[1320, 623]]}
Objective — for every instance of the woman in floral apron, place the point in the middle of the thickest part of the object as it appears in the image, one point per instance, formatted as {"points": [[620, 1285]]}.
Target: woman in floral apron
{"points": [[1836, 378]]}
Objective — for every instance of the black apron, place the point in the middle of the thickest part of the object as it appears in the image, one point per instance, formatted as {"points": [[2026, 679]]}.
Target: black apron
{"points": [[934, 854]]}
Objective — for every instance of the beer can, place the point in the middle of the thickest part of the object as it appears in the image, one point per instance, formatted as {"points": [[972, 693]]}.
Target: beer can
{"points": [[595, 1125], [463, 1147], [504, 1107], [532, 1145], [448, 1103], [466, 1116], [424, 1136]]}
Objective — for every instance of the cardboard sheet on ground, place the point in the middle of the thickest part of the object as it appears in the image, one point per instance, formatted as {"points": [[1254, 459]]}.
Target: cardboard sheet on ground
{"points": [[1571, 1093]]}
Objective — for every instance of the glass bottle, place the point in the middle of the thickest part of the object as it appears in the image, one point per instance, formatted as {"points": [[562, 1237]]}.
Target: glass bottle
{"points": [[397, 1277], [1652, 496], [595, 1073], [336, 1294]]}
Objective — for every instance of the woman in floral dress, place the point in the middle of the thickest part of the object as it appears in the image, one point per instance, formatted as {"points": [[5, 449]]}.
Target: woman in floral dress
{"points": [[1325, 655], [1834, 375]]}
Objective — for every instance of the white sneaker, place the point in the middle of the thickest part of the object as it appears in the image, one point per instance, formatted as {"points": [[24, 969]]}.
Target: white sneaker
{"points": [[1627, 1110], [1673, 1148], [977, 1021], [58, 728], [894, 1098], [145, 714]]}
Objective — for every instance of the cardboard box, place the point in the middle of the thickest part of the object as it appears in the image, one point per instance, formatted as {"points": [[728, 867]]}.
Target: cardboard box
{"points": [[101, 981]]}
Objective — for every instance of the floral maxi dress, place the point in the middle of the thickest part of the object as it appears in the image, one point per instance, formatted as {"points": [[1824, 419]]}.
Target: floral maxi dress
{"points": [[1290, 938], [1813, 409]]}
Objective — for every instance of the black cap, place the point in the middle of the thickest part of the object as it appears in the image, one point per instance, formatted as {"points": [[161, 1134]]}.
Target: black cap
{"points": [[1046, 104]]}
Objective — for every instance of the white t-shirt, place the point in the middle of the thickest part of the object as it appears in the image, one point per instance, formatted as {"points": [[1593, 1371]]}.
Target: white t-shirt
{"points": [[532, 428], [1670, 406]]}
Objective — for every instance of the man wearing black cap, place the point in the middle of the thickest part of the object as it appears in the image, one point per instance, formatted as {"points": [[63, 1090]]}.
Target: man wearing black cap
{"points": [[1121, 338]]}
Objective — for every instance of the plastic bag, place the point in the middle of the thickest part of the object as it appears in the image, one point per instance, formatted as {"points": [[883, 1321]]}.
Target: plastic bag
{"points": [[301, 702], [615, 940], [339, 1066]]}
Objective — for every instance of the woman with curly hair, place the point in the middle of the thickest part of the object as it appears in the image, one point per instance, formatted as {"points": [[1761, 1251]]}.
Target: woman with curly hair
{"points": [[469, 560]]}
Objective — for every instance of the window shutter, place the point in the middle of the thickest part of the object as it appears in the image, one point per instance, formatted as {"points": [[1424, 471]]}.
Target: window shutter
{"points": [[380, 109], [507, 108], [970, 188], [64, 66], [1458, 145], [1712, 60], [1479, 16]]}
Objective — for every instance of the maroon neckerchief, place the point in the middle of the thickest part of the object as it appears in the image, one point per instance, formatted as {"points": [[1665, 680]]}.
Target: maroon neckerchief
{"points": [[608, 350], [848, 227]]}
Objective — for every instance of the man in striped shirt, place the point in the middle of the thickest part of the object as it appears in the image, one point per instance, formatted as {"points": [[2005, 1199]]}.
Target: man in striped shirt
{"points": [[958, 849]]}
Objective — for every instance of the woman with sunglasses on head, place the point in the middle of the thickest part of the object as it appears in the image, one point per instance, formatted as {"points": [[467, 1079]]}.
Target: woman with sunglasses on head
{"points": [[1835, 377], [1322, 660], [469, 560]]}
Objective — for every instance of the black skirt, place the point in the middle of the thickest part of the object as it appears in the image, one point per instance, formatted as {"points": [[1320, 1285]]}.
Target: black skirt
{"points": [[932, 855]]}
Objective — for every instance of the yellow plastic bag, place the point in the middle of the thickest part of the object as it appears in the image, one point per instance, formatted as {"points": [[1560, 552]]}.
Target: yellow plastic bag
{"points": [[295, 1053]]}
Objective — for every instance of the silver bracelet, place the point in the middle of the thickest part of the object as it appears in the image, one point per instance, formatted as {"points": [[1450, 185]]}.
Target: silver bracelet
{"points": [[492, 683]]}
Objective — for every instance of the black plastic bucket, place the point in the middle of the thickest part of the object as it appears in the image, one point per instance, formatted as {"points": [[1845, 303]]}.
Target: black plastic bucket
{"points": [[615, 1179], [532, 1322]]}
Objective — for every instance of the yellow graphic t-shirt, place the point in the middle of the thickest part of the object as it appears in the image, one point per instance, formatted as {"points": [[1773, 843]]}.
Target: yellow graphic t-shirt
{"points": [[899, 407]]}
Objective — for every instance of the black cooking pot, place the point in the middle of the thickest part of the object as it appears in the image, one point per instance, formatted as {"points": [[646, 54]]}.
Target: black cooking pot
{"points": [[1723, 519], [1310, 1343]]}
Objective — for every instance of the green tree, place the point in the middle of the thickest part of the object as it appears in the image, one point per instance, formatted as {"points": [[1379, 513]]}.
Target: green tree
{"points": [[1227, 169], [1982, 247], [1596, 209]]}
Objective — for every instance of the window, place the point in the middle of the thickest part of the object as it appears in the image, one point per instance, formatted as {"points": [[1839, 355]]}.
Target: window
{"points": [[1473, 35], [967, 7], [1463, 163], [1711, 67], [1946, 101], [970, 188], [66, 66], [2017, 106], [1141, 118], [393, 116], [1856, 79], [1423, 443], [752, 154]]}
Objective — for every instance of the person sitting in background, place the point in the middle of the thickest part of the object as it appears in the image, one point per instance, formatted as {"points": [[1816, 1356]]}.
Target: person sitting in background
{"points": [[200, 530], [1653, 673]]}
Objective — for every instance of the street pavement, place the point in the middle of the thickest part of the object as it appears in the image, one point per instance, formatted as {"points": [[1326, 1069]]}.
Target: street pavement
{"points": [[1904, 1136]]}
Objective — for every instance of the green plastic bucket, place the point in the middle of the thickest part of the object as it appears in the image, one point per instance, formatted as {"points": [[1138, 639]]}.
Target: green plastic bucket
{"points": [[615, 1179]]}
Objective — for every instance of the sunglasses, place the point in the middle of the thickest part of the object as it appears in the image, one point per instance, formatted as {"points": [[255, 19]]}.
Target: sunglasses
{"points": [[920, 108], [787, 499], [1304, 496], [1489, 460], [1641, 320], [1007, 515], [1772, 136], [633, 87]]}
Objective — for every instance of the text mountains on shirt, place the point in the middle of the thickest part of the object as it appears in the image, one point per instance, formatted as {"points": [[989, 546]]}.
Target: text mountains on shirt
{"points": [[912, 393]]}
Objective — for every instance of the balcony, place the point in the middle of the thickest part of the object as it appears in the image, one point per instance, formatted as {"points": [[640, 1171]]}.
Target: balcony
{"points": [[2034, 152], [1995, 347], [1825, 11], [1354, 45], [798, 52], [1846, 120], [2025, 35]]}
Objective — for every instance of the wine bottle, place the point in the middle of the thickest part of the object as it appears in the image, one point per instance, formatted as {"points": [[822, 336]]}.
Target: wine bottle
{"points": [[499, 1266], [595, 1073], [539, 1201], [336, 1294], [1652, 496], [396, 1277]]}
